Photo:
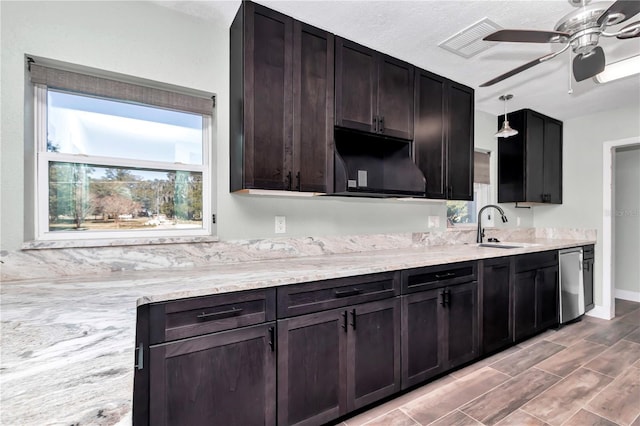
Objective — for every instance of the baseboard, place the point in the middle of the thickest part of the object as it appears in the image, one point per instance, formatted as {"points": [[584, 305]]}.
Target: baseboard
{"points": [[599, 312], [633, 296]]}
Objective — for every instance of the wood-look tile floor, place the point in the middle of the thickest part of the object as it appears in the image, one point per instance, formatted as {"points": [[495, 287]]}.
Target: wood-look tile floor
{"points": [[586, 373]]}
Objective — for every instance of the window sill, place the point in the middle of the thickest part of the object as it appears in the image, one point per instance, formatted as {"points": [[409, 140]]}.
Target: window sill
{"points": [[115, 242]]}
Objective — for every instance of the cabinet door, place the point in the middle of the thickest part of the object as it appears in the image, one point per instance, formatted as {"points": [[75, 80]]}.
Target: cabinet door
{"points": [[524, 304], [373, 352], [460, 143], [497, 329], [313, 109], [395, 98], [209, 379], [423, 337], [356, 85], [430, 143], [547, 297], [312, 368], [268, 98], [535, 157], [553, 161], [462, 319], [587, 271]]}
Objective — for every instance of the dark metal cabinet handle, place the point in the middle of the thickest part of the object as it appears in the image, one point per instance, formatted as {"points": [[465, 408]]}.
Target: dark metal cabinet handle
{"points": [[447, 294], [289, 181], [375, 124], [381, 125], [219, 315], [272, 339], [298, 187], [347, 293], [353, 319], [344, 321], [443, 298], [445, 275]]}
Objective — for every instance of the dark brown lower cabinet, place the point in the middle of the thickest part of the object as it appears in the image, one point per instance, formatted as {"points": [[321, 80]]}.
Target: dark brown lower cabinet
{"points": [[440, 331], [333, 362], [535, 293], [495, 296], [225, 378], [587, 271]]}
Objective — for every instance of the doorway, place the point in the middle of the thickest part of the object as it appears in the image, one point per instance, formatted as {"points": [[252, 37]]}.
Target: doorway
{"points": [[608, 222]]}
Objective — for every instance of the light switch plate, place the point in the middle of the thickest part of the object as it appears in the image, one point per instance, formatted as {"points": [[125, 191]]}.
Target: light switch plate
{"points": [[434, 222]]}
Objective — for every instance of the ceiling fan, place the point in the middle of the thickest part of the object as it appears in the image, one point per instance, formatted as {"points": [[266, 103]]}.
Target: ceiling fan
{"points": [[580, 30]]}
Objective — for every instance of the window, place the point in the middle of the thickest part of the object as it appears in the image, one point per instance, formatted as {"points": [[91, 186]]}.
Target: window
{"points": [[117, 160], [466, 212]]}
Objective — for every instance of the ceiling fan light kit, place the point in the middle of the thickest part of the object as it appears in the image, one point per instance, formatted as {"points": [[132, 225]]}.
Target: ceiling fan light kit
{"points": [[506, 129], [620, 69], [581, 30]]}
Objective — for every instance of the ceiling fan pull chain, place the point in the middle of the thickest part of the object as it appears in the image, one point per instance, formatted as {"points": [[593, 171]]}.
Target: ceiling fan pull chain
{"points": [[569, 73]]}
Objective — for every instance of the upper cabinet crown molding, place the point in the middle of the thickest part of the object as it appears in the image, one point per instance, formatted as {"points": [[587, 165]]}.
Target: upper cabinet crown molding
{"points": [[530, 163]]}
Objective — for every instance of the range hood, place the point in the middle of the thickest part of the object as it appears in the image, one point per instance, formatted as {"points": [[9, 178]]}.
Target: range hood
{"points": [[369, 165]]}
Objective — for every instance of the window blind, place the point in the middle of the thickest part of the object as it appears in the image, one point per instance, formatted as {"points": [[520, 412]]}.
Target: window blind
{"points": [[481, 167], [99, 86]]}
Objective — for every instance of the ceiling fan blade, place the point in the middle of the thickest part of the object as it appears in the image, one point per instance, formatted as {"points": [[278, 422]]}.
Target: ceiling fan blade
{"points": [[513, 72], [528, 36], [630, 31], [627, 8], [585, 67]]}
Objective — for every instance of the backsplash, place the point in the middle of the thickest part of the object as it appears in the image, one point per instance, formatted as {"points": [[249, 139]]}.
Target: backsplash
{"points": [[66, 262]]}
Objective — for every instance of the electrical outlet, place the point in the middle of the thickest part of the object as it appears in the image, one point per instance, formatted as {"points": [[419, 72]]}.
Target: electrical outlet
{"points": [[518, 221], [281, 225], [434, 222]]}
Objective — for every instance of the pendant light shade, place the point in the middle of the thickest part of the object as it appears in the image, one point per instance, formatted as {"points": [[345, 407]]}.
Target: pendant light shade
{"points": [[506, 129]]}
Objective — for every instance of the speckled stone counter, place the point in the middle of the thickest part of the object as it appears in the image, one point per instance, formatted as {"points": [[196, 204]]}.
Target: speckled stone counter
{"points": [[68, 343]]}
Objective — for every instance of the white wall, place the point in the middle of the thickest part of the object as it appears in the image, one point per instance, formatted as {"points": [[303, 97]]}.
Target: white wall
{"points": [[582, 175], [627, 222], [148, 41]]}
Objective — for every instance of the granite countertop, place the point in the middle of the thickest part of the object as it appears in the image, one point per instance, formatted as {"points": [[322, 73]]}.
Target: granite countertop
{"points": [[68, 343]]}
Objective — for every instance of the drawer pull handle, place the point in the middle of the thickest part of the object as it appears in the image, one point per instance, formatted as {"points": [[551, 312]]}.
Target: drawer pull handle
{"points": [[447, 275], [219, 315], [347, 293]]}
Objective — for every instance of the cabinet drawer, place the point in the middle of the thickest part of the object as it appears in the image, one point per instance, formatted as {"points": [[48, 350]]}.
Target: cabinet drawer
{"points": [[421, 279], [529, 262], [193, 317], [588, 252], [317, 296]]}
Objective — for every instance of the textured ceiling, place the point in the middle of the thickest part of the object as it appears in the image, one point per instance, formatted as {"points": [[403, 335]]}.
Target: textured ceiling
{"points": [[412, 30]]}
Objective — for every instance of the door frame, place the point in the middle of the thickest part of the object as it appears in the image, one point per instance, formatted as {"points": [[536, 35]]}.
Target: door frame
{"points": [[607, 310]]}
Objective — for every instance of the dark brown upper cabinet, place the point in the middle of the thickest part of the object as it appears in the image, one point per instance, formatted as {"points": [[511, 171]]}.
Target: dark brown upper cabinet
{"points": [[281, 103], [530, 163], [443, 139], [374, 91]]}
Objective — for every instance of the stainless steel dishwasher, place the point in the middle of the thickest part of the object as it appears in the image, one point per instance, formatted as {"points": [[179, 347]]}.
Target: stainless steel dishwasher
{"points": [[571, 285]]}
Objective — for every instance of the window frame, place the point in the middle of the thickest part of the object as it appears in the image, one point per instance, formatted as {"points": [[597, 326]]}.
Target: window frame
{"points": [[45, 157]]}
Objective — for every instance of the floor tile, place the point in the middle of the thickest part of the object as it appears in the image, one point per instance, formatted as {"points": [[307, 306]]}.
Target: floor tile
{"points": [[632, 317], [573, 333], [498, 403], [567, 361], [393, 418], [623, 307], [485, 362], [634, 336], [457, 418], [636, 422], [611, 333], [616, 359], [520, 418], [391, 405], [545, 335], [527, 358], [587, 418], [557, 404], [446, 399], [620, 401]]}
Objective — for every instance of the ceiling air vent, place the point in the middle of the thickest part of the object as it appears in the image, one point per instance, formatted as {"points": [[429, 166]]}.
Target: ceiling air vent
{"points": [[468, 42]]}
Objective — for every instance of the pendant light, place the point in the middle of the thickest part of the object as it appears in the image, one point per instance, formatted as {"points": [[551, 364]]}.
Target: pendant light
{"points": [[506, 130]]}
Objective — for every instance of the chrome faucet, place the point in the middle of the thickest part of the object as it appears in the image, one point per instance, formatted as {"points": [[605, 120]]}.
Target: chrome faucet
{"points": [[480, 234]]}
